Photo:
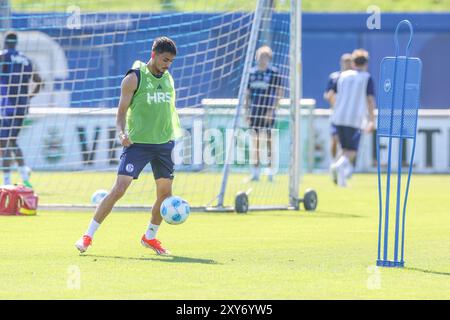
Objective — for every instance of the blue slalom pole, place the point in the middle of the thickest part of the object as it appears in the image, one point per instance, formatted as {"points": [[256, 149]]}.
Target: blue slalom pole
{"points": [[399, 174], [388, 177], [397, 119], [380, 197], [405, 201]]}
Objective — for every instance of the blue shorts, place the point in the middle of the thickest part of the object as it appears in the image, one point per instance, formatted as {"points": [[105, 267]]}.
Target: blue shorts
{"points": [[135, 157], [259, 120], [11, 122], [348, 137], [10, 126]]}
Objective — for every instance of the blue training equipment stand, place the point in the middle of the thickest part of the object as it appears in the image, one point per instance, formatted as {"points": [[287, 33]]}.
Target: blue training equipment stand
{"points": [[398, 105]]}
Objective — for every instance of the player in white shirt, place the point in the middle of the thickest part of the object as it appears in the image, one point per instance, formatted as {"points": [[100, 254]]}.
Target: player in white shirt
{"points": [[354, 99], [328, 95]]}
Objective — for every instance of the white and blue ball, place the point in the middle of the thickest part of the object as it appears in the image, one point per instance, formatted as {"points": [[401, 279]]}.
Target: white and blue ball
{"points": [[175, 210], [98, 196]]}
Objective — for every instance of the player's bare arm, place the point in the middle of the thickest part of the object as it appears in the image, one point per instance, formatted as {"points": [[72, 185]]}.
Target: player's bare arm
{"points": [[279, 95], [331, 97], [370, 108], [38, 84], [127, 88], [327, 95]]}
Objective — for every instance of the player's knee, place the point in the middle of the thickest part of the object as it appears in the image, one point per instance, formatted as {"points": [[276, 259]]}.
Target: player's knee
{"points": [[164, 193], [118, 191]]}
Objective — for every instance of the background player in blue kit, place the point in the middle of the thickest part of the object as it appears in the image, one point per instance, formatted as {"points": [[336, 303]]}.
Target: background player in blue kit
{"points": [[355, 99], [263, 95], [16, 72]]}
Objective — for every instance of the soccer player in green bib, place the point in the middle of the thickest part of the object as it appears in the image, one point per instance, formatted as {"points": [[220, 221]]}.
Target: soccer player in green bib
{"points": [[148, 123]]}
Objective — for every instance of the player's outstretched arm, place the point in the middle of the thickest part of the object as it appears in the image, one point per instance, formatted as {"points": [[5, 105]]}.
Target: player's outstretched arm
{"points": [[127, 89]]}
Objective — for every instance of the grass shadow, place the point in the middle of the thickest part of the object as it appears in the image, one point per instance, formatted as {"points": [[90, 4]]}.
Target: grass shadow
{"points": [[330, 214], [440, 273], [308, 214], [171, 259]]}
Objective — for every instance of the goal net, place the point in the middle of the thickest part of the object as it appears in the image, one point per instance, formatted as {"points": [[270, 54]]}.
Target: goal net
{"points": [[235, 108]]}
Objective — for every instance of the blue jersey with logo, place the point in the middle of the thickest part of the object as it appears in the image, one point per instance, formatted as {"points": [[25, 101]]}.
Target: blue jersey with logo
{"points": [[15, 74], [263, 87]]}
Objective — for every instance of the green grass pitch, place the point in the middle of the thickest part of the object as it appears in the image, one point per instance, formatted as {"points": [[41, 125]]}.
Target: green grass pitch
{"points": [[328, 254]]}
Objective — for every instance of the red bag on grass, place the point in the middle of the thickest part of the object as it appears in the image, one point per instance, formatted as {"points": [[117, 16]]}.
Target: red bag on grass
{"points": [[17, 200]]}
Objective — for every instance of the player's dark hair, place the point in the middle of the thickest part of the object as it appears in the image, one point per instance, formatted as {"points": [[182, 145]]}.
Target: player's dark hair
{"points": [[360, 57], [164, 44], [11, 39], [360, 61]]}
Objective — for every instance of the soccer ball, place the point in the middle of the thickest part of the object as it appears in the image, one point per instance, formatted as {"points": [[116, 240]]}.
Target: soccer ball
{"points": [[175, 210], [98, 196]]}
